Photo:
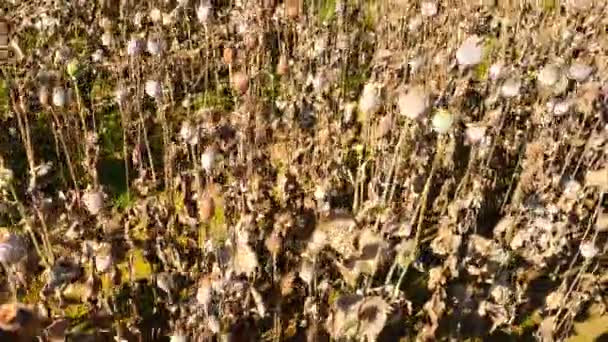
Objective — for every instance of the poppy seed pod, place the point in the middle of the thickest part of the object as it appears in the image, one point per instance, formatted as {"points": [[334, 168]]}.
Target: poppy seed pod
{"points": [[154, 46], [208, 159], [273, 243], [107, 38], [369, 103], [203, 12], [283, 66], [510, 88], [153, 89], [588, 249], [292, 8], [470, 52], [228, 55], [93, 201], [156, 15], [134, 47], [187, 133], [60, 98], [579, 72], [43, 96], [413, 103], [428, 8], [442, 121], [548, 75], [240, 82]]}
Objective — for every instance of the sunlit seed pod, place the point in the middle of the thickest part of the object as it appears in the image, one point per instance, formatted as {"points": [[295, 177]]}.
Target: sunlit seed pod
{"points": [[470, 51], [293, 8], [442, 121], [43, 96], [228, 55], [240, 82], [107, 38], [579, 72], [510, 88], [134, 47], [93, 202], [155, 15], [414, 24], [60, 97], [153, 89], [349, 112], [186, 132], [495, 71], [273, 243], [549, 75], [428, 8], [369, 102], [562, 107], [413, 103], [208, 159], [283, 66], [588, 249], [203, 12], [474, 134], [154, 46]]}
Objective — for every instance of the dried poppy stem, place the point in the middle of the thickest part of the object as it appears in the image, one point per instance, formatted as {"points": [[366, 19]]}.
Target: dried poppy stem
{"points": [[124, 121], [136, 71], [28, 227], [388, 192], [427, 186], [68, 159]]}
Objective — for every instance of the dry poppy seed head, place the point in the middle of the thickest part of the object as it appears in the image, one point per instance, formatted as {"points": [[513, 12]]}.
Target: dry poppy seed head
{"points": [[153, 89], [470, 52], [60, 97], [273, 243], [549, 75], [293, 8], [283, 66], [413, 103], [228, 55], [240, 82], [43, 96], [93, 201]]}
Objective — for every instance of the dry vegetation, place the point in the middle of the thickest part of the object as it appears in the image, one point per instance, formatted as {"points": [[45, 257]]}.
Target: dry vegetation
{"points": [[304, 171]]}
